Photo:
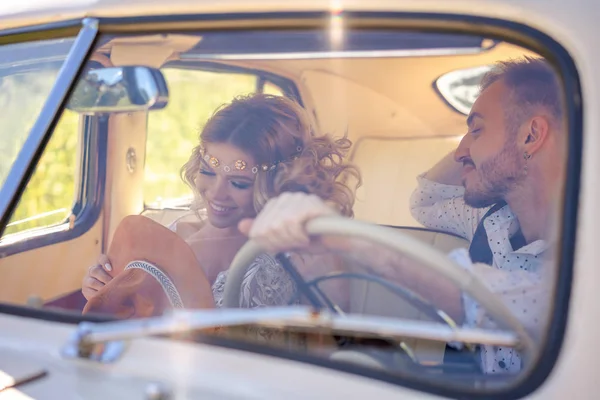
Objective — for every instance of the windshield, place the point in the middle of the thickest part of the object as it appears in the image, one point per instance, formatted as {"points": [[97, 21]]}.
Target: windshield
{"points": [[373, 172]]}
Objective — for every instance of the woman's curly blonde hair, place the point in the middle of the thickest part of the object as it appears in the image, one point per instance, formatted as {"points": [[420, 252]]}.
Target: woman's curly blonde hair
{"points": [[276, 130]]}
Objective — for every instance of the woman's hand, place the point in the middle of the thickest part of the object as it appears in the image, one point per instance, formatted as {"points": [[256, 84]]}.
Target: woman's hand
{"points": [[96, 277]]}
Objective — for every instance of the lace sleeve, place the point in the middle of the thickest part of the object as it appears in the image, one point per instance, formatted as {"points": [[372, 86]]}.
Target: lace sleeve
{"points": [[265, 284]]}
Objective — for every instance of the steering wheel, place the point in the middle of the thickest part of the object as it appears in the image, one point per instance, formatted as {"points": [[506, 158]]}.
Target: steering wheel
{"points": [[428, 255]]}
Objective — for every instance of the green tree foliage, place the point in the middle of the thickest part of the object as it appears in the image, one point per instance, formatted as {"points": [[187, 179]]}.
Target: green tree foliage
{"points": [[22, 97], [51, 188], [50, 193]]}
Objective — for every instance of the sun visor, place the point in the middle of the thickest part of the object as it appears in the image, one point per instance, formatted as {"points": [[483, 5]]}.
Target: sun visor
{"points": [[152, 51]]}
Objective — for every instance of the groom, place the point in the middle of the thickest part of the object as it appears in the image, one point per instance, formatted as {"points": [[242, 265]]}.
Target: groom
{"points": [[498, 190]]}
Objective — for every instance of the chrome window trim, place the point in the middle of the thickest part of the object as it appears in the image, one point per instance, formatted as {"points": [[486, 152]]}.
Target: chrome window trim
{"points": [[38, 137]]}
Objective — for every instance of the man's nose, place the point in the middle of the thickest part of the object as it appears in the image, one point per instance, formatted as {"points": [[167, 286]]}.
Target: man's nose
{"points": [[463, 149]]}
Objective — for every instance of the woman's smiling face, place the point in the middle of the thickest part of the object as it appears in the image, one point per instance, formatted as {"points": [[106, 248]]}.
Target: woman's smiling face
{"points": [[227, 192]]}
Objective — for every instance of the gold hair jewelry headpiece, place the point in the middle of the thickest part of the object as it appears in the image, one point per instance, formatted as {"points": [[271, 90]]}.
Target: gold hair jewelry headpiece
{"points": [[241, 165]]}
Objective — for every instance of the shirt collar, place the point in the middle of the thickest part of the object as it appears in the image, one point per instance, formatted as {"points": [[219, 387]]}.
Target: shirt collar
{"points": [[504, 223]]}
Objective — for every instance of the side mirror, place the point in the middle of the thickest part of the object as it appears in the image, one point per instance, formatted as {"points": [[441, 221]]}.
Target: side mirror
{"points": [[119, 90]]}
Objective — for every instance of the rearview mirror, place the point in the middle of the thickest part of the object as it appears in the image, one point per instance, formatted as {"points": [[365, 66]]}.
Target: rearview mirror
{"points": [[118, 90], [460, 88]]}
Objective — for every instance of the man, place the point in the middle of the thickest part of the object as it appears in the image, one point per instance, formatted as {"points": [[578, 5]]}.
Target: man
{"points": [[510, 166]]}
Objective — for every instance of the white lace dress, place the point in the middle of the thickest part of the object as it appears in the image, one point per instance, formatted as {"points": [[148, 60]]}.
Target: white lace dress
{"points": [[265, 284]]}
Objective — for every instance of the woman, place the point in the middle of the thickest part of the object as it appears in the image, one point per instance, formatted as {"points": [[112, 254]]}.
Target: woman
{"points": [[250, 151]]}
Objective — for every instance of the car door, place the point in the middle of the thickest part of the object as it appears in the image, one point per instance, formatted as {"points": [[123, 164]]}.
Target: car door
{"points": [[56, 227]]}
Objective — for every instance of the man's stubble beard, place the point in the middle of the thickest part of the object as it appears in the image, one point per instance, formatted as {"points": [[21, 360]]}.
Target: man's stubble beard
{"points": [[498, 176]]}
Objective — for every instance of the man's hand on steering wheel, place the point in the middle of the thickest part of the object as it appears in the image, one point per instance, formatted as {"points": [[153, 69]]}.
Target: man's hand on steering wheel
{"points": [[280, 226]]}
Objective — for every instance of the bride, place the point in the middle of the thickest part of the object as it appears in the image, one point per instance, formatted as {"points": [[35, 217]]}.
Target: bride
{"points": [[250, 151]]}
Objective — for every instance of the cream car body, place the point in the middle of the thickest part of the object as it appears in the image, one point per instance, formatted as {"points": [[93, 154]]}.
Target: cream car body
{"points": [[149, 365]]}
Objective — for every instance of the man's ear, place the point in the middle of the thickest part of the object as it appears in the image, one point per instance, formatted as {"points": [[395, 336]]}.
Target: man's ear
{"points": [[536, 135]]}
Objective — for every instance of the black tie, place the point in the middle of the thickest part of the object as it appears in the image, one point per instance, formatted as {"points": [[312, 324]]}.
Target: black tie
{"points": [[480, 250]]}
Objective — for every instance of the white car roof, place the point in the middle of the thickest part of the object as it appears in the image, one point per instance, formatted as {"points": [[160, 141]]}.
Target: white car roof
{"points": [[20, 13]]}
